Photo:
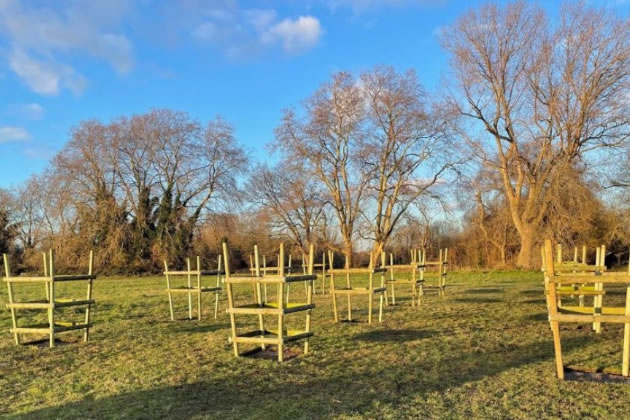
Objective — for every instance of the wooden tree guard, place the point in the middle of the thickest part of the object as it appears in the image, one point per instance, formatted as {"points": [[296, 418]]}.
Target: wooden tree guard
{"points": [[52, 303], [321, 266], [558, 314], [349, 290], [193, 289], [268, 270], [281, 336], [581, 290], [440, 265], [414, 281]]}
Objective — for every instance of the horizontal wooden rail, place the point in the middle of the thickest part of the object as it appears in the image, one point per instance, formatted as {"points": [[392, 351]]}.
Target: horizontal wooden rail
{"points": [[357, 270]]}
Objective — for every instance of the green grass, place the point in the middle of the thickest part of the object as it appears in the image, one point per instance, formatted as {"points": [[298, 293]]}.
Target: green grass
{"points": [[482, 351]]}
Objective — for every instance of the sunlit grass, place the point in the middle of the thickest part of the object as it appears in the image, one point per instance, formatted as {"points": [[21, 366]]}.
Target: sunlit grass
{"points": [[484, 350]]}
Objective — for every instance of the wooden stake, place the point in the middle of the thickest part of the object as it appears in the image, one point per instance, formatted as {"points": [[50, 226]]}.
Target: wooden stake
{"points": [[261, 322], [46, 275], [323, 273], [331, 258], [198, 287], [216, 295], [168, 290], [349, 286], [86, 333], [51, 310], [309, 296], [553, 308], [189, 288], [226, 258], [7, 272], [626, 337]]}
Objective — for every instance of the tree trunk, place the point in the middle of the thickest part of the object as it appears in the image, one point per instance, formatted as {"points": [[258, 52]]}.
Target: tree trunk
{"points": [[347, 251], [378, 248], [524, 258]]}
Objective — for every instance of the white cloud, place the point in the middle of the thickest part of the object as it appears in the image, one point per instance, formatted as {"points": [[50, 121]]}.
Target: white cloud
{"points": [[363, 5], [39, 152], [45, 77], [206, 31], [40, 38], [33, 111], [8, 134], [295, 35], [245, 32], [261, 19]]}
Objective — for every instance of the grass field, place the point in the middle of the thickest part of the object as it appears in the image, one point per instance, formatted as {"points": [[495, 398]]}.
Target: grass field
{"points": [[482, 351]]}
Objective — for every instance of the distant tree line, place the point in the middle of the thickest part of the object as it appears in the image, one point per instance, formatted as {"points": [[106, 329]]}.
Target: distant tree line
{"points": [[511, 151]]}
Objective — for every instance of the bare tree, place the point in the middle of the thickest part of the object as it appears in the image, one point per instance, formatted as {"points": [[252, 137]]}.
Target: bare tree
{"points": [[29, 198], [539, 97], [328, 140], [136, 188], [295, 202], [406, 148]]}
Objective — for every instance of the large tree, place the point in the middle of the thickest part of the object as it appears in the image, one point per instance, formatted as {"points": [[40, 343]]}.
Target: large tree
{"points": [[536, 97], [294, 202], [374, 145], [327, 138]]}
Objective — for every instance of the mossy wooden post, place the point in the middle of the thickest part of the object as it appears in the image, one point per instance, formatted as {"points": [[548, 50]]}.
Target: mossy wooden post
{"points": [[168, 290], [421, 276], [575, 255], [597, 301], [199, 288], [415, 300], [281, 304], [324, 272], [331, 258], [189, 280], [226, 261], [46, 275], [443, 274], [309, 295], [51, 308], [391, 276], [259, 299], [439, 279], [423, 261], [381, 295], [7, 272], [348, 285], [287, 271], [264, 274], [371, 287], [553, 309], [86, 333], [216, 295]]}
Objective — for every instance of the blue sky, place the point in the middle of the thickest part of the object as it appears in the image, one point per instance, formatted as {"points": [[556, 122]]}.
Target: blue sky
{"points": [[63, 61]]}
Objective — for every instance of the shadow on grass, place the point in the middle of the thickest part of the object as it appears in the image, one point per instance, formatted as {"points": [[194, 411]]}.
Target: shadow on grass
{"points": [[190, 327], [478, 300], [348, 388], [542, 316], [532, 292], [395, 336], [481, 291], [540, 301]]}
